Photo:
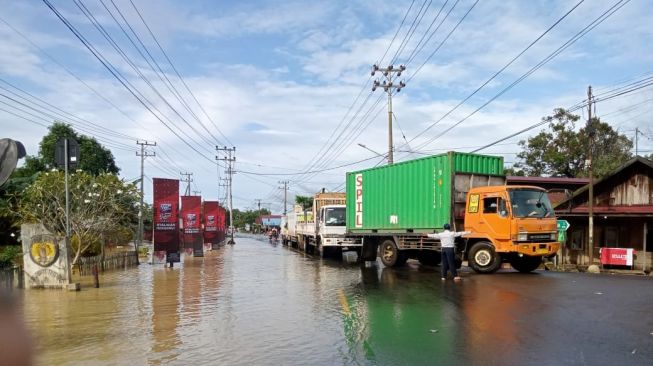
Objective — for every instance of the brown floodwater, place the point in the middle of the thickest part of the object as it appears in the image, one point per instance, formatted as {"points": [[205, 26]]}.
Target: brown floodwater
{"points": [[261, 304]]}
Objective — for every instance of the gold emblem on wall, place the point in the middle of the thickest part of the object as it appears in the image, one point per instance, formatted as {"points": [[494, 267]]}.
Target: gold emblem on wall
{"points": [[44, 251]]}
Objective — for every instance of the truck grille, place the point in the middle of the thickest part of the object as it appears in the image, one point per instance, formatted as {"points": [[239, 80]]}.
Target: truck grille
{"points": [[539, 237]]}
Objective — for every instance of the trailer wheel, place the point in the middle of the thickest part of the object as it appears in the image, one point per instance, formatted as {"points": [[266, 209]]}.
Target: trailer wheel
{"points": [[483, 259], [525, 263], [429, 258], [391, 256]]}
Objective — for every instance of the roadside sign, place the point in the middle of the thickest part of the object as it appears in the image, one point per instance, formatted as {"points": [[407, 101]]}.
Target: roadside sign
{"points": [[563, 225]]}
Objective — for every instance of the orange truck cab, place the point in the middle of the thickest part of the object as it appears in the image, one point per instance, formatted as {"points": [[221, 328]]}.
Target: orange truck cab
{"points": [[514, 224]]}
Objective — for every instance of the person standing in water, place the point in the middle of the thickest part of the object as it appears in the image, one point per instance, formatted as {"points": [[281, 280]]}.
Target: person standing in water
{"points": [[447, 241]]}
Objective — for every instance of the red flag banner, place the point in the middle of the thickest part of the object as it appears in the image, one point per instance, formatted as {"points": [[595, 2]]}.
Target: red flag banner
{"points": [[166, 223], [190, 212], [212, 212]]}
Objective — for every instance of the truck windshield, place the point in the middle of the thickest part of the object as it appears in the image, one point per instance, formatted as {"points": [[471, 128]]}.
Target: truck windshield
{"points": [[530, 203], [334, 216]]}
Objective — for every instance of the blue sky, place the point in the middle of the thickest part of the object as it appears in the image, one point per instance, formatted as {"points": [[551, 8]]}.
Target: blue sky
{"points": [[277, 78]]}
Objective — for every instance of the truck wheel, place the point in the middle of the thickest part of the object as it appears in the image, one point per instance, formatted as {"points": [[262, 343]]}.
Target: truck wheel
{"points": [[483, 259], [429, 258], [391, 256], [525, 263]]}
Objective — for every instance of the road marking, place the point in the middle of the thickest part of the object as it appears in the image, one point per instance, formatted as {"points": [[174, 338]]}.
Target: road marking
{"points": [[343, 302]]}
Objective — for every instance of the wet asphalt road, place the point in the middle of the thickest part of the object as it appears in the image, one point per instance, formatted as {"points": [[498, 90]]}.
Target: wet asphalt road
{"points": [[260, 304]]}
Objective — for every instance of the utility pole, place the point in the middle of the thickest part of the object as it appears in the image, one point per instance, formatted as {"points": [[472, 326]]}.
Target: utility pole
{"points": [[258, 201], [637, 132], [285, 196], [230, 159], [389, 73], [187, 181], [143, 154], [590, 130]]}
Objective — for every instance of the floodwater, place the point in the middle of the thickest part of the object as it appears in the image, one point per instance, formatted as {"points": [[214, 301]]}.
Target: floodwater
{"points": [[260, 304]]}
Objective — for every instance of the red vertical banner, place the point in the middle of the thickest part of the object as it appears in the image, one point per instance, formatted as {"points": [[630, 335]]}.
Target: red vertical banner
{"points": [[222, 224], [211, 223], [166, 223], [191, 207]]}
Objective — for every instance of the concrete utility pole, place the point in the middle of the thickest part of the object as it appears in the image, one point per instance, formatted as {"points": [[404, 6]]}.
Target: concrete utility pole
{"points": [[143, 154], [590, 130], [285, 196], [637, 132], [390, 73], [258, 201], [187, 180], [230, 159]]}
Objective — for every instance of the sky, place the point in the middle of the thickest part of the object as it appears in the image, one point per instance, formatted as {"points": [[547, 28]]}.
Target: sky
{"points": [[288, 83]]}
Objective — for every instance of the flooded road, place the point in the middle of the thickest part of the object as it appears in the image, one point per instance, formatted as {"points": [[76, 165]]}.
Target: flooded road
{"points": [[259, 304]]}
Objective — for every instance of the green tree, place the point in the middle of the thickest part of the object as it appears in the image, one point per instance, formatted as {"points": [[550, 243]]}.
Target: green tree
{"points": [[10, 194], [562, 151], [512, 171], [32, 166], [305, 201], [241, 218], [99, 205], [93, 157]]}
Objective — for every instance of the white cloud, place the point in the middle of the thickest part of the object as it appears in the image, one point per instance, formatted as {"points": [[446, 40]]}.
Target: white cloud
{"points": [[322, 56]]}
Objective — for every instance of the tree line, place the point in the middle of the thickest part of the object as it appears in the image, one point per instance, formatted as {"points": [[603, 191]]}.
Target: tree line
{"points": [[103, 207]]}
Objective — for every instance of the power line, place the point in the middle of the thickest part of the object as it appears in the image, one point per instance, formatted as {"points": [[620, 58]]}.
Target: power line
{"points": [[498, 72], [315, 171], [118, 76], [551, 56], [96, 92], [318, 158], [131, 63], [421, 44], [177, 72]]}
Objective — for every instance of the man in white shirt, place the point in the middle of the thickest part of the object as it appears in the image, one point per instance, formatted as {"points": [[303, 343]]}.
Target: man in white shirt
{"points": [[447, 240]]}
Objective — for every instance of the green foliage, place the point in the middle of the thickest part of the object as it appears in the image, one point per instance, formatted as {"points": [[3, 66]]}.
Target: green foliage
{"points": [[9, 255], [99, 205], [563, 151], [241, 218], [512, 171], [94, 158], [305, 201], [33, 165], [10, 194]]}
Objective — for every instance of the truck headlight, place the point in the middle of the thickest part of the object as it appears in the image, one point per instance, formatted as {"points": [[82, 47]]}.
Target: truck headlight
{"points": [[522, 237]]}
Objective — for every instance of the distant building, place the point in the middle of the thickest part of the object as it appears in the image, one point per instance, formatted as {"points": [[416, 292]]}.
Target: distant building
{"points": [[269, 220], [623, 214]]}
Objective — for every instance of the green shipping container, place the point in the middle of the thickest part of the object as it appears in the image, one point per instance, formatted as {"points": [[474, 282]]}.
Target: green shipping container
{"points": [[417, 195]]}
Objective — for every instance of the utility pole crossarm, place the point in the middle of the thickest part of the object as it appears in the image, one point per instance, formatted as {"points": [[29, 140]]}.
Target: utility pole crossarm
{"points": [[389, 86], [187, 180]]}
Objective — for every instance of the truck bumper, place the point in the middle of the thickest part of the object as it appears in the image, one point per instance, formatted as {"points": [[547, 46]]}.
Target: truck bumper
{"points": [[342, 242], [538, 249]]}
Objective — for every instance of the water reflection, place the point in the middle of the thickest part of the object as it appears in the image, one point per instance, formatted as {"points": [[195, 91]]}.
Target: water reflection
{"points": [[255, 303], [165, 315], [398, 318]]}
